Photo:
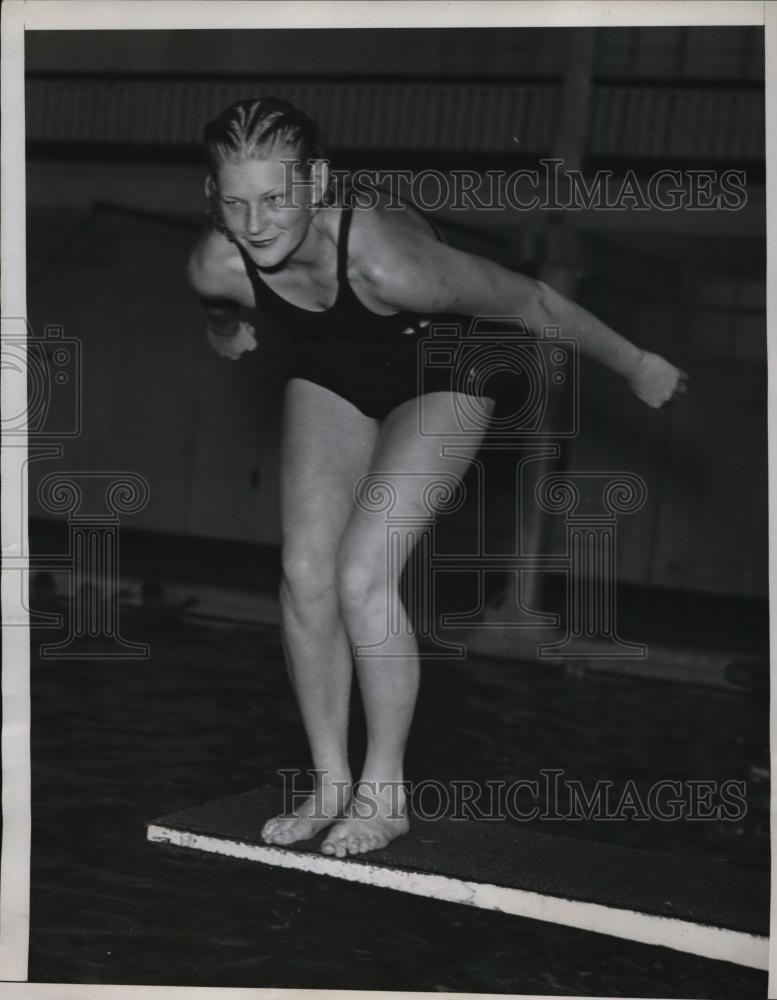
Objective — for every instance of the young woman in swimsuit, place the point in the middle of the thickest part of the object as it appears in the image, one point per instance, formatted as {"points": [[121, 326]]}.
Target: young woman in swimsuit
{"points": [[355, 289]]}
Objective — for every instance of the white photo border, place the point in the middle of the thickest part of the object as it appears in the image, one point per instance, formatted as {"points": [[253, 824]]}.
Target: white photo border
{"points": [[19, 16]]}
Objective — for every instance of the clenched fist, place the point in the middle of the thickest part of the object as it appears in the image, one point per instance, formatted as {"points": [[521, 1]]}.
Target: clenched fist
{"points": [[655, 381], [244, 339]]}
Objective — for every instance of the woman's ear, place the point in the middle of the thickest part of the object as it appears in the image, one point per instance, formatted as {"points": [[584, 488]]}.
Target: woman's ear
{"points": [[210, 187]]}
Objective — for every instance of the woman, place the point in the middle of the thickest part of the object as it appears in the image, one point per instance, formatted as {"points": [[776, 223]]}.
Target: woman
{"points": [[355, 289]]}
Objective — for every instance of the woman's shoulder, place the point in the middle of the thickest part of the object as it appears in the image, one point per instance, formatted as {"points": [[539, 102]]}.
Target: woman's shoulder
{"points": [[399, 262], [215, 268], [384, 235]]}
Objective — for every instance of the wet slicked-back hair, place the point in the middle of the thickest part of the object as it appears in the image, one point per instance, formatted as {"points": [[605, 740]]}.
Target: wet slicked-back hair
{"points": [[249, 129]]}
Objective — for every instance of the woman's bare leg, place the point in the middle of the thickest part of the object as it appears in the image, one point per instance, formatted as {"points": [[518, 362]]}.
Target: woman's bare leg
{"points": [[369, 591], [326, 447]]}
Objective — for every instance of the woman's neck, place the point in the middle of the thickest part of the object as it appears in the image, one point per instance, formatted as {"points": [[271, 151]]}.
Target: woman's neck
{"points": [[320, 242]]}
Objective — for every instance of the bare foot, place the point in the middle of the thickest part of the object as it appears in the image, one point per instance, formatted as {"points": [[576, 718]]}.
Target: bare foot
{"points": [[376, 815], [313, 814]]}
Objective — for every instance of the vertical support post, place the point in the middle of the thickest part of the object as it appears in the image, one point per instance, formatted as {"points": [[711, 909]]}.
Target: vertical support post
{"points": [[558, 267]]}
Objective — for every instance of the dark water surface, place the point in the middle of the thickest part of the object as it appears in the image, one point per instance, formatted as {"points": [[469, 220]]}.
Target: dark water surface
{"points": [[116, 744]]}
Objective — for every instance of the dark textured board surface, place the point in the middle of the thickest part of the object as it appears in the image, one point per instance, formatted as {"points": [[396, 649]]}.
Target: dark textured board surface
{"points": [[505, 855]]}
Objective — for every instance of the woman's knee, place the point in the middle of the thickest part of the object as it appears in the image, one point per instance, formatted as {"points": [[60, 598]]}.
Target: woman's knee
{"points": [[308, 574], [364, 575]]}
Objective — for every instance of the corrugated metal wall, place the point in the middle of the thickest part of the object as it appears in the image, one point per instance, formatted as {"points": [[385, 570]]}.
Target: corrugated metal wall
{"points": [[361, 116], [650, 121]]}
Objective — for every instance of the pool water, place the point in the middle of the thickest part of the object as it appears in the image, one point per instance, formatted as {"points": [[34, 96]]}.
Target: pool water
{"points": [[118, 743]]}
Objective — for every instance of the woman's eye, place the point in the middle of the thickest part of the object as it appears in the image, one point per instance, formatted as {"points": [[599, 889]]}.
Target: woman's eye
{"points": [[275, 199]]}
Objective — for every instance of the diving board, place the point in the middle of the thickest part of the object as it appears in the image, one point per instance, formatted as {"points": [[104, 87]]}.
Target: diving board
{"points": [[699, 907]]}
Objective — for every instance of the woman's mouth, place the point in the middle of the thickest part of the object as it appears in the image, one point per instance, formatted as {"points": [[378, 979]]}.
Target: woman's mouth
{"points": [[259, 244]]}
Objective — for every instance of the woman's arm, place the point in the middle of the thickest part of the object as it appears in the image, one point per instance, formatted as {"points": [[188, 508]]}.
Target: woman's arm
{"points": [[222, 315], [406, 269], [652, 378], [211, 279]]}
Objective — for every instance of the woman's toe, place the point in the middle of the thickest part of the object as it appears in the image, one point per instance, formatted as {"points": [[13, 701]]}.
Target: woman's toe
{"points": [[330, 847]]}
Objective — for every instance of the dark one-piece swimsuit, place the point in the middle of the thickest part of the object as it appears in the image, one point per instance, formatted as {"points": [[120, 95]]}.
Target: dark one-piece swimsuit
{"points": [[375, 362]]}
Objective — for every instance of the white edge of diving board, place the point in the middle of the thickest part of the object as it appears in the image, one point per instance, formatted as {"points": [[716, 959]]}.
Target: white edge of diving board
{"points": [[666, 932]]}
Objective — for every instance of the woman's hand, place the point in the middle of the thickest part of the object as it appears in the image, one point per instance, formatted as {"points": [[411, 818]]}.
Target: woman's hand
{"points": [[655, 381], [232, 346]]}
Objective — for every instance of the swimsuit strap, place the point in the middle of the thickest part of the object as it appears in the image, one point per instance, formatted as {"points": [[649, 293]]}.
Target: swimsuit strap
{"points": [[342, 246], [263, 294], [345, 226]]}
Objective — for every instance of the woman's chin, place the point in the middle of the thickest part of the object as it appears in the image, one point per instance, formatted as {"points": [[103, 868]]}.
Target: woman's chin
{"points": [[267, 254]]}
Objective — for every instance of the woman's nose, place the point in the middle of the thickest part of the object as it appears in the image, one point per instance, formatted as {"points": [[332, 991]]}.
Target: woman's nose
{"points": [[256, 221]]}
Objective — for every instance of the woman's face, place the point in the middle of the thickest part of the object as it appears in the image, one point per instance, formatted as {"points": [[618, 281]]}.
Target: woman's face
{"points": [[265, 206]]}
